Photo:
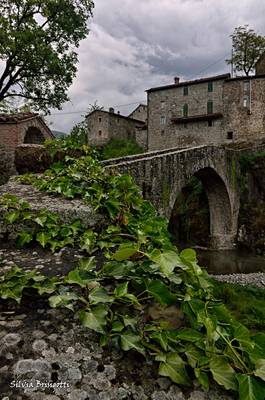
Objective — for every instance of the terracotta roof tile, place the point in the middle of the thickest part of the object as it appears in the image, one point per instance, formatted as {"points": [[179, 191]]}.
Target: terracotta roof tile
{"points": [[18, 117]]}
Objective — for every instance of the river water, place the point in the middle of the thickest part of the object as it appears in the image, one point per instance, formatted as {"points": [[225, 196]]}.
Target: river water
{"points": [[230, 261]]}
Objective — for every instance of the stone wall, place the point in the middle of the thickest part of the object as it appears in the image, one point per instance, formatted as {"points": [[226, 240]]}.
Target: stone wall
{"points": [[140, 113], [161, 176], [7, 166], [104, 126], [169, 102], [244, 112]]}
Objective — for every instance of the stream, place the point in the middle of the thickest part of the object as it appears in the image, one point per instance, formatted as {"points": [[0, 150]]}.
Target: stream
{"points": [[230, 261]]}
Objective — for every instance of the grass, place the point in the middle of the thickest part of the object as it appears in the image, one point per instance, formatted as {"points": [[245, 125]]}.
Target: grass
{"points": [[120, 148], [247, 304]]}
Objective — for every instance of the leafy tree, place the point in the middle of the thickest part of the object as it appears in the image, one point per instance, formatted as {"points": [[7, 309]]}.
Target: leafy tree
{"points": [[37, 45], [248, 47]]}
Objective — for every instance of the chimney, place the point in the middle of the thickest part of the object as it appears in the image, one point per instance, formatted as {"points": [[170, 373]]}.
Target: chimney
{"points": [[118, 112], [176, 80], [111, 110]]}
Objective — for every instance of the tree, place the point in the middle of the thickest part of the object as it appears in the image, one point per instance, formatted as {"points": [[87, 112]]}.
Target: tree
{"points": [[94, 107], [38, 39], [247, 47]]}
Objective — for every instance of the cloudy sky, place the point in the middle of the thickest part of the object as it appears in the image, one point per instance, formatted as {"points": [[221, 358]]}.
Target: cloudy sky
{"points": [[137, 44]]}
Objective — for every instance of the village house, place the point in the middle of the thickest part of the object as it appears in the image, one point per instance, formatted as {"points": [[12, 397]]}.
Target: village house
{"points": [[106, 125], [213, 110], [22, 128]]}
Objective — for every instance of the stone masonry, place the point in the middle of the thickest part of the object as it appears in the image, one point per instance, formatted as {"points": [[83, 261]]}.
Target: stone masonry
{"points": [[210, 111], [16, 129]]}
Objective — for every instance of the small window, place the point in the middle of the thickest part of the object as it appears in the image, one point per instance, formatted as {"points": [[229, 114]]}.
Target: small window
{"points": [[99, 133], [162, 104], [209, 107], [162, 120], [99, 120], [185, 110], [245, 102], [210, 87], [229, 135], [210, 122], [246, 86], [185, 90], [162, 132]]}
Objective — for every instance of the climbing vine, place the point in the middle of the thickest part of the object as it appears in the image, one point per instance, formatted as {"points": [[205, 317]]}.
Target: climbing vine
{"points": [[132, 286]]}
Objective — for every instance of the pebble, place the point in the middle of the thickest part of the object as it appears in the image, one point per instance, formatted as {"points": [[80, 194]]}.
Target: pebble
{"points": [[38, 334], [39, 345], [11, 339], [255, 279], [14, 324]]}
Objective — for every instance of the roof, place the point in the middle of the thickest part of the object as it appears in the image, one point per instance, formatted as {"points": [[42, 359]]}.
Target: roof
{"points": [[139, 105], [116, 115], [246, 78], [188, 83], [17, 117]]}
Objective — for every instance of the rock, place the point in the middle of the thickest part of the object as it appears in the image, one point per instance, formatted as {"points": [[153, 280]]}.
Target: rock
{"points": [[32, 158], [38, 334], [11, 339], [199, 395], [39, 345], [78, 394]]}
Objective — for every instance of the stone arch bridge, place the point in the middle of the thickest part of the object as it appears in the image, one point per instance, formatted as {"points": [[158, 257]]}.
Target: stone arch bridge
{"points": [[162, 174]]}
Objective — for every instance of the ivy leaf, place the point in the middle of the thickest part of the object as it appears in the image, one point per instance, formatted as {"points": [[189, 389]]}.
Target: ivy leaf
{"points": [[161, 293], [43, 238], [189, 255], [202, 378], [125, 252], [66, 300], [40, 220], [174, 368], [131, 341], [189, 335], [260, 369], [117, 326], [23, 238], [12, 216], [99, 295], [250, 388], [223, 373], [95, 319], [167, 261], [121, 290], [74, 277]]}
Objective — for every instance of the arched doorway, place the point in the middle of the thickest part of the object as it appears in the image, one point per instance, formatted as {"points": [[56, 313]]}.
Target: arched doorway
{"points": [[220, 225], [33, 135]]}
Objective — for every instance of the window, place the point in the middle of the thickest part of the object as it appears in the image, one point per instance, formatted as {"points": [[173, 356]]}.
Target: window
{"points": [[209, 107], [99, 120], [162, 120], [185, 110], [162, 132], [185, 90], [246, 86], [99, 133], [210, 122], [162, 104], [245, 102], [210, 86], [230, 135]]}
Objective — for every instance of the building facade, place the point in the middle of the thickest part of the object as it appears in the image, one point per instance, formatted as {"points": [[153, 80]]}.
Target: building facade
{"points": [[22, 128], [106, 125], [213, 110]]}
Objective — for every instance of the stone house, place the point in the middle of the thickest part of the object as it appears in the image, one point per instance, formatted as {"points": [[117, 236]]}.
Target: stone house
{"points": [[213, 110], [139, 113], [22, 128], [106, 125]]}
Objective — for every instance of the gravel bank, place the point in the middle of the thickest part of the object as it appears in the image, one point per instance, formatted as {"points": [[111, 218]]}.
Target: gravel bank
{"points": [[254, 279]]}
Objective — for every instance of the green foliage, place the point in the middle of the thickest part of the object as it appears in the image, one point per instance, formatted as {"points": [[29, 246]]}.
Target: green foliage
{"points": [[139, 269], [37, 41], [248, 47], [248, 161], [120, 148]]}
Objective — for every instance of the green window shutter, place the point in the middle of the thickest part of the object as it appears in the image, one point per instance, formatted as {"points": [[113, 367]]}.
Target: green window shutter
{"points": [[210, 86], [185, 90], [185, 110], [209, 107]]}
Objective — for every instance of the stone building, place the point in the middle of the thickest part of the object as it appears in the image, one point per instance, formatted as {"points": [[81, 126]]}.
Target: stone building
{"points": [[139, 113], [212, 110], [106, 125], [21, 128]]}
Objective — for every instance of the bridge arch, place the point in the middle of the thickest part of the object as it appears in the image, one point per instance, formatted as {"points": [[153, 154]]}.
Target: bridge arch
{"points": [[221, 221]]}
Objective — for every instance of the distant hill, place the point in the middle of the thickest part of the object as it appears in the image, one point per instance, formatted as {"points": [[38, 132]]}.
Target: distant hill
{"points": [[59, 134]]}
